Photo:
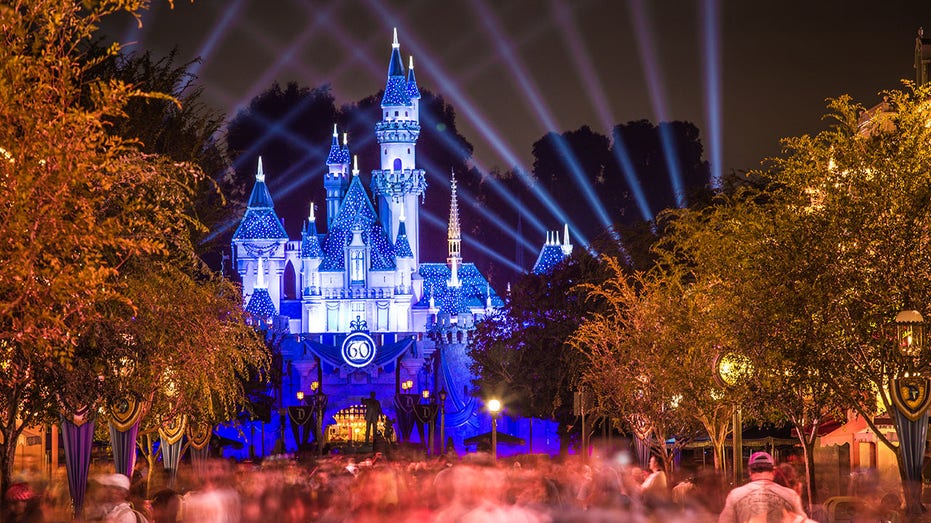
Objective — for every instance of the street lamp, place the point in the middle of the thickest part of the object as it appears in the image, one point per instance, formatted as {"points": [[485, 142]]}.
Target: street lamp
{"points": [[442, 396], [494, 407], [729, 369], [319, 406], [911, 397], [300, 396]]}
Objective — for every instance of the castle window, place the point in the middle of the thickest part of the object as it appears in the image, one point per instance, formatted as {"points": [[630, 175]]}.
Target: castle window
{"points": [[356, 267], [396, 114], [405, 113], [289, 283], [386, 114], [397, 164], [408, 150]]}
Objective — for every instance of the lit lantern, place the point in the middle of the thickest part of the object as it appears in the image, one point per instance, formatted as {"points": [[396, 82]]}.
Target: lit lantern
{"points": [[909, 328]]}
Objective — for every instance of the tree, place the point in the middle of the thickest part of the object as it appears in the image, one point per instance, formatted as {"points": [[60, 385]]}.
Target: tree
{"points": [[182, 128], [647, 352], [521, 352], [88, 222]]}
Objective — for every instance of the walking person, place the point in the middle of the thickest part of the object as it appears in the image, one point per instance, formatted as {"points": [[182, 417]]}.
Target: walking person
{"points": [[762, 499]]}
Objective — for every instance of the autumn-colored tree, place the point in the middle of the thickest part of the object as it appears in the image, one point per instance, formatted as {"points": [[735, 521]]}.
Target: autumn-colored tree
{"points": [[95, 241], [648, 358]]}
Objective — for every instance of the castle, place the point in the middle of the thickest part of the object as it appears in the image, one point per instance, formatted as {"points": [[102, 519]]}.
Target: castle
{"points": [[365, 313]]}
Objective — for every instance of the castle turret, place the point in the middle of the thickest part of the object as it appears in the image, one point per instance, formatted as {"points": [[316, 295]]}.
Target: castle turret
{"points": [[260, 307], [413, 92], [398, 183], [405, 257], [336, 180], [260, 235], [454, 235], [311, 256]]}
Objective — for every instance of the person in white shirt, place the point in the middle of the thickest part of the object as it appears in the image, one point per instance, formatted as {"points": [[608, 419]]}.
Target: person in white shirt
{"points": [[762, 499]]}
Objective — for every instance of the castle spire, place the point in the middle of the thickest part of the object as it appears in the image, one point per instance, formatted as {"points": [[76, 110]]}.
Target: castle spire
{"points": [[312, 218], [396, 88], [412, 91], [453, 234], [259, 173], [355, 166], [333, 159], [566, 246]]}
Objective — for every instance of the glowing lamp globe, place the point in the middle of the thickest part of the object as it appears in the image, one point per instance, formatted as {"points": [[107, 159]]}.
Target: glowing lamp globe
{"points": [[909, 329], [494, 406]]}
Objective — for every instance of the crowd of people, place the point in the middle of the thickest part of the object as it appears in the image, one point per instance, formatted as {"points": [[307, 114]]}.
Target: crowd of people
{"points": [[409, 488]]}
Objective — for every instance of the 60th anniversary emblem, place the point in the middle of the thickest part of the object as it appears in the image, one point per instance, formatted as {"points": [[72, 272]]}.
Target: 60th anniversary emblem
{"points": [[358, 349]]}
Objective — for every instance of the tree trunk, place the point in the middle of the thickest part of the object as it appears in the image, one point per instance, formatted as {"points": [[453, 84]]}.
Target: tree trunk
{"points": [[808, 448], [7, 457]]}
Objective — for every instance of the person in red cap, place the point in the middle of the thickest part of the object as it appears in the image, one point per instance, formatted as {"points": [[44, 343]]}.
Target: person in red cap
{"points": [[762, 499], [22, 505]]}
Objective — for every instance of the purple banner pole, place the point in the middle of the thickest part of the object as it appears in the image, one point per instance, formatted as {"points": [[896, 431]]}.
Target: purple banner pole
{"points": [[78, 441], [124, 449]]}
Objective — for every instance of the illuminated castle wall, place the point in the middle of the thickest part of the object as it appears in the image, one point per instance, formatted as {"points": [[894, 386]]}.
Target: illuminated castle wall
{"points": [[364, 273]]}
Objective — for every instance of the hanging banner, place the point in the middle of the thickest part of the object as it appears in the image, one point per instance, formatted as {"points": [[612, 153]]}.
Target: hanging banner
{"points": [[172, 430], [404, 406], [911, 396], [198, 435], [78, 434], [125, 412], [171, 433]]}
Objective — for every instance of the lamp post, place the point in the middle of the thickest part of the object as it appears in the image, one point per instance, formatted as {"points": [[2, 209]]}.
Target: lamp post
{"points": [[729, 368], [442, 396], [494, 407], [911, 397], [431, 419], [319, 405]]}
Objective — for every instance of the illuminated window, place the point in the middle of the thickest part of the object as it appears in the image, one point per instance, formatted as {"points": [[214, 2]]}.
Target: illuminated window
{"points": [[357, 267]]}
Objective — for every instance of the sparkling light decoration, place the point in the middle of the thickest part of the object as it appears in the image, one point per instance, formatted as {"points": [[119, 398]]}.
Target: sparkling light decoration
{"points": [[552, 252], [413, 93], [357, 209], [260, 222], [471, 294], [335, 156], [310, 240]]}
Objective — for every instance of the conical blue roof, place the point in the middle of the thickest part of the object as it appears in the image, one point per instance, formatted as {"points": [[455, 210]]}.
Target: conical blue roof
{"points": [[334, 158], [413, 92], [260, 305], [260, 221], [396, 88], [402, 246], [310, 241], [550, 256]]}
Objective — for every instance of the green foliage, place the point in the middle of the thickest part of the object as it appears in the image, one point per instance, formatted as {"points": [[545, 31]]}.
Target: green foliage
{"points": [[521, 353]]}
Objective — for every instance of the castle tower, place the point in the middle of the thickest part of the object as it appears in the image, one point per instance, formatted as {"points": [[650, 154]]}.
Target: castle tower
{"points": [[398, 183], [260, 235], [336, 180], [454, 235], [311, 256]]}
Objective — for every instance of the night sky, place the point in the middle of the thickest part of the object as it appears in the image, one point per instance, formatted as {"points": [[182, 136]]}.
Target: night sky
{"points": [[517, 69]]}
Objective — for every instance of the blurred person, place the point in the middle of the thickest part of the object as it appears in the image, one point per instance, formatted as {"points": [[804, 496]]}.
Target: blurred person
{"points": [[655, 490], [113, 501], [166, 504], [22, 505], [216, 501], [762, 499], [786, 475]]}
